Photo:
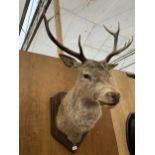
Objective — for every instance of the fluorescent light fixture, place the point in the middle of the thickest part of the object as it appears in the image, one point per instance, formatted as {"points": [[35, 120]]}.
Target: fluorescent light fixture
{"points": [[27, 21]]}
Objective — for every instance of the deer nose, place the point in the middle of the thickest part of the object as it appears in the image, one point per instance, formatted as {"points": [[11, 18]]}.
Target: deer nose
{"points": [[113, 97]]}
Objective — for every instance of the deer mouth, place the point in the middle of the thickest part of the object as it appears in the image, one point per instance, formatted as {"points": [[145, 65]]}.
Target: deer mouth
{"points": [[108, 103]]}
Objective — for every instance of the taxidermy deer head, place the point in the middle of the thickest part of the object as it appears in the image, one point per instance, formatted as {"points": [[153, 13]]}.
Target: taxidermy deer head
{"points": [[81, 107]]}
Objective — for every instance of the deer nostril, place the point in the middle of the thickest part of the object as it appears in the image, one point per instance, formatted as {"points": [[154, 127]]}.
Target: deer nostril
{"points": [[114, 97]]}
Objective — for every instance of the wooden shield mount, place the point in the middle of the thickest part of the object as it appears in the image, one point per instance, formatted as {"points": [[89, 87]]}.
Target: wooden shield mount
{"points": [[56, 133]]}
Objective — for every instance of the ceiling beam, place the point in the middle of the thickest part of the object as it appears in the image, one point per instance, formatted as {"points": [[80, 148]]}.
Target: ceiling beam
{"points": [[58, 24]]}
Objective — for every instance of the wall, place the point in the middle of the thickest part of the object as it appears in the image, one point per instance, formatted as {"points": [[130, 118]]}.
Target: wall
{"points": [[126, 86], [42, 77]]}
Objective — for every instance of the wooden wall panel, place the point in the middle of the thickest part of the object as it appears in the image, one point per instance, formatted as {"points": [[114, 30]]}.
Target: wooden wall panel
{"points": [[127, 104], [42, 77]]}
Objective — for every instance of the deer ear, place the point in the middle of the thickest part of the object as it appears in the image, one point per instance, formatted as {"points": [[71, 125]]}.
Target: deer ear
{"points": [[69, 61], [111, 66]]}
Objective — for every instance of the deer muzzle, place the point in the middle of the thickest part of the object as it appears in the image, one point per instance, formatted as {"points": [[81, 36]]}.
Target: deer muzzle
{"points": [[108, 96]]}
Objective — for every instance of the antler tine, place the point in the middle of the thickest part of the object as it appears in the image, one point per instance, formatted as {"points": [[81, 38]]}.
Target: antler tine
{"points": [[79, 56], [115, 35], [115, 50], [80, 48]]}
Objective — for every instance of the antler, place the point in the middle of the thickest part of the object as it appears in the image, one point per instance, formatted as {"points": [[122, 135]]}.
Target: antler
{"points": [[115, 50], [79, 56]]}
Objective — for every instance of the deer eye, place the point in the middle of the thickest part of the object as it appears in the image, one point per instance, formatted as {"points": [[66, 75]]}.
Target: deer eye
{"points": [[87, 76]]}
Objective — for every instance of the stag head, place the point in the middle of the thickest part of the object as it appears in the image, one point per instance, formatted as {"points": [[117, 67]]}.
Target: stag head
{"points": [[94, 76]]}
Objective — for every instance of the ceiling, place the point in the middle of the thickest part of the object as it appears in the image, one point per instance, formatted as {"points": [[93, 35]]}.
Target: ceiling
{"points": [[87, 17]]}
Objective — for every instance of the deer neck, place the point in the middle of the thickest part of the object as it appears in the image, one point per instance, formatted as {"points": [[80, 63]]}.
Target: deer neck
{"points": [[79, 93]]}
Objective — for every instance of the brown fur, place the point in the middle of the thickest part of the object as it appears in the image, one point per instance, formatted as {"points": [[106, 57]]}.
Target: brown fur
{"points": [[81, 107]]}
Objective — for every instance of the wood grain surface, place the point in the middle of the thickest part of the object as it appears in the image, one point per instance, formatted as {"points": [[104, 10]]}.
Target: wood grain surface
{"points": [[41, 77], [126, 86]]}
